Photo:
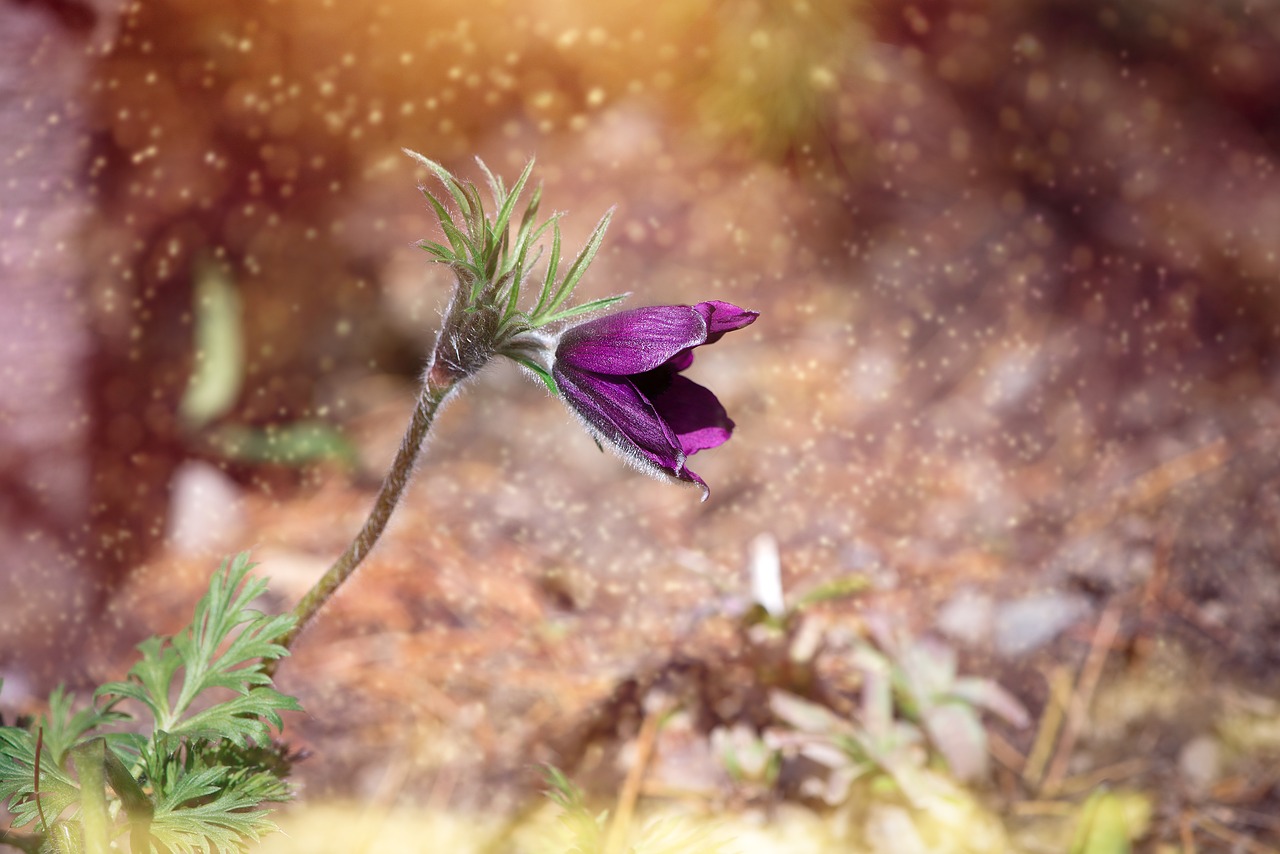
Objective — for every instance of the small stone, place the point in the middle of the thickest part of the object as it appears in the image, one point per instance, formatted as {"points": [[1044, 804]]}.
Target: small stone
{"points": [[1028, 624], [967, 617], [1200, 763], [206, 513]]}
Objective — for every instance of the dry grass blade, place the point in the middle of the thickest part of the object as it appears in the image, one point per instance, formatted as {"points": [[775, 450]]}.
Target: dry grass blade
{"points": [[1078, 709], [624, 814]]}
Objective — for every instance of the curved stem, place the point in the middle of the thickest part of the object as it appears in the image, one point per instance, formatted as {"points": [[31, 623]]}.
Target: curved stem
{"points": [[434, 392]]}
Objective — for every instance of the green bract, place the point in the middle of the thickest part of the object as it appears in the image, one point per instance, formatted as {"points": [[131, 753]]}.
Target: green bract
{"points": [[493, 266]]}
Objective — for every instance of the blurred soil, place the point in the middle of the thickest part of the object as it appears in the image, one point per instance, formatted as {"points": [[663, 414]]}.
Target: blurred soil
{"points": [[1016, 367]]}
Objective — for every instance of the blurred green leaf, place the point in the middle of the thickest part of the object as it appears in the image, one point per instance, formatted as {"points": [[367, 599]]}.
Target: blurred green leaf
{"points": [[583, 832], [987, 694], [956, 732], [1109, 821], [219, 342], [844, 587], [804, 715], [294, 444], [95, 824]]}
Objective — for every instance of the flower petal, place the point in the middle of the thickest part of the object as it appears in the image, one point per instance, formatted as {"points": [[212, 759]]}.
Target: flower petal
{"points": [[723, 317], [679, 362], [691, 411], [618, 413], [632, 342]]}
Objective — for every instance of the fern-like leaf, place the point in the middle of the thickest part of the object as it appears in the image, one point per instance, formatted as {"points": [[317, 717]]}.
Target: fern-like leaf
{"points": [[211, 654], [56, 733], [57, 789]]}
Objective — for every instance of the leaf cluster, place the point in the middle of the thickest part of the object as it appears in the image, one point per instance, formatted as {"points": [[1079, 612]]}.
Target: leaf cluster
{"points": [[199, 780], [493, 265], [913, 700]]}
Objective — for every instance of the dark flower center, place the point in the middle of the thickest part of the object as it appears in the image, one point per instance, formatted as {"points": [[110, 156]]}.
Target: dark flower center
{"points": [[652, 384]]}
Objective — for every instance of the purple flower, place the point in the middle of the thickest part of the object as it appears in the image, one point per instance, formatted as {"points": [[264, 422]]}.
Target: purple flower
{"points": [[621, 374]]}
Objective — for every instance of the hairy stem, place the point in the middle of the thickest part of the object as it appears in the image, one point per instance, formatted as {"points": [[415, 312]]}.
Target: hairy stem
{"points": [[435, 390]]}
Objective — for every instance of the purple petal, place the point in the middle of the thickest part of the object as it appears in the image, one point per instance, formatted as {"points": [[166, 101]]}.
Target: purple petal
{"points": [[679, 362], [722, 317], [691, 411], [616, 411], [692, 477], [631, 342]]}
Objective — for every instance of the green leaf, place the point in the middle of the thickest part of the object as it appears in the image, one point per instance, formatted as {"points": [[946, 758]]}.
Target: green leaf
{"points": [[150, 678], [540, 372], [439, 250], [525, 235], [219, 342], [553, 264], [492, 268], [63, 728], [450, 183], [17, 779], [137, 805], [240, 720], [511, 285], [65, 838], [518, 265], [581, 262], [211, 769], [473, 215], [526, 241], [246, 638], [211, 810], [443, 216], [496, 188], [585, 308], [584, 832], [1104, 826], [467, 252], [508, 204]]}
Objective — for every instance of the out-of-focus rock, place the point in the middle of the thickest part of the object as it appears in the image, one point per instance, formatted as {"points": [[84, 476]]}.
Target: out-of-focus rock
{"points": [[1025, 625], [1200, 763], [206, 514], [967, 617]]}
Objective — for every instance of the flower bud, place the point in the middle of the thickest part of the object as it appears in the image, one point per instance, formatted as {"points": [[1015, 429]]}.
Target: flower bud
{"points": [[621, 374]]}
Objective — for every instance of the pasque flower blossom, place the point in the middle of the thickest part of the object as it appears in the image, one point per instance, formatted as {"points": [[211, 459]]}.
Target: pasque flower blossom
{"points": [[622, 376]]}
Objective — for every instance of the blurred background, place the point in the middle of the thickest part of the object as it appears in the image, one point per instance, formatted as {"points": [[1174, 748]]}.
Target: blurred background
{"points": [[1017, 270]]}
